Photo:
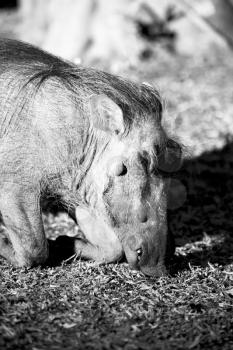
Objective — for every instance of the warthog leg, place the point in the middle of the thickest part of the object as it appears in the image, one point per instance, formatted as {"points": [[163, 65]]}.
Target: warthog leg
{"points": [[22, 241], [97, 252], [101, 243]]}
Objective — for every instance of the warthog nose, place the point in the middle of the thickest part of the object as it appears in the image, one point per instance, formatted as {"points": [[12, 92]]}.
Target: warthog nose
{"points": [[142, 214]]}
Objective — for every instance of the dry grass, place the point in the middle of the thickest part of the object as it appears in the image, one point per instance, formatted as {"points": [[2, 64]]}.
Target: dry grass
{"points": [[90, 307], [80, 305]]}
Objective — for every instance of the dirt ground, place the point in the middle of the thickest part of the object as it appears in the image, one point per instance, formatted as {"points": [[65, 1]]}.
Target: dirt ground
{"points": [[80, 305]]}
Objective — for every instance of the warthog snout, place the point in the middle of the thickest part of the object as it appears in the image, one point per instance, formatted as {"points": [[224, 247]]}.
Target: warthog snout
{"points": [[150, 261], [145, 254], [159, 271]]}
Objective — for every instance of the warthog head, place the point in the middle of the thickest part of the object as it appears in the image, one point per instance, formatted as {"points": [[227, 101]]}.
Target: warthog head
{"points": [[127, 183]]}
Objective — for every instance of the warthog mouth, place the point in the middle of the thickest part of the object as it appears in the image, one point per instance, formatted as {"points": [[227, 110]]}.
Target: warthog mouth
{"points": [[147, 255]]}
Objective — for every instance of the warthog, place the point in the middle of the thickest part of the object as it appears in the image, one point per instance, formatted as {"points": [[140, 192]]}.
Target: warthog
{"points": [[94, 141]]}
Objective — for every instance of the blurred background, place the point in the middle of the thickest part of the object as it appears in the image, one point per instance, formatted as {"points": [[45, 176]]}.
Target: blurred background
{"points": [[182, 47], [120, 32]]}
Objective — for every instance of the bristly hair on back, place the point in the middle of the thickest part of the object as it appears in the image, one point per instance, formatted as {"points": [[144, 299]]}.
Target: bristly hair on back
{"points": [[35, 67]]}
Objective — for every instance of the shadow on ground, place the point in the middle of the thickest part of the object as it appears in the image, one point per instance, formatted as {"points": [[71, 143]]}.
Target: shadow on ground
{"points": [[203, 226]]}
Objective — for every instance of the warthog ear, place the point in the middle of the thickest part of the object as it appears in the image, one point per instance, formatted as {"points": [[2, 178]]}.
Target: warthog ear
{"points": [[106, 115]]}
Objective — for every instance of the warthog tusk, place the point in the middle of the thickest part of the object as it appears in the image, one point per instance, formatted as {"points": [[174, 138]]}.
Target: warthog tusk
{"points": [[139, 251]]}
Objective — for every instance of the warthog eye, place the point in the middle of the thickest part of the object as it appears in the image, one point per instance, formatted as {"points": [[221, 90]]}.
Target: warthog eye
{"points": [[122, 170], [118, 169]]}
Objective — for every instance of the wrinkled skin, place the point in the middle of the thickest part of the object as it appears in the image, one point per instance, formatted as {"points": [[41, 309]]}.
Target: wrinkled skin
{"points": [[110, 170]]}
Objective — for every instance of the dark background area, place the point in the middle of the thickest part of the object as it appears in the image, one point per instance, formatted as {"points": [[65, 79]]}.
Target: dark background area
{"points": [[8, 4]]}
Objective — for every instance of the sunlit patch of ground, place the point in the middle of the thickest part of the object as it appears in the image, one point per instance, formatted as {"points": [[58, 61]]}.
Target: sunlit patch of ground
{"points": [[86, 306]]}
